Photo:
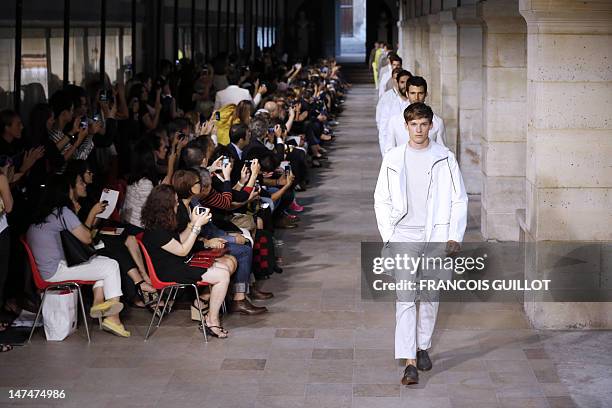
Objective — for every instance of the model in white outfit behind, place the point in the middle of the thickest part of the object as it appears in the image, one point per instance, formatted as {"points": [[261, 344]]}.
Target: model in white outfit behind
{"points": [[392, 103], [394, 62], [416, 209]]}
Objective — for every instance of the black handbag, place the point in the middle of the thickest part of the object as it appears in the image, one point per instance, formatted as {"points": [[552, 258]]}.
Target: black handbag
{"points": [[75, 251]]}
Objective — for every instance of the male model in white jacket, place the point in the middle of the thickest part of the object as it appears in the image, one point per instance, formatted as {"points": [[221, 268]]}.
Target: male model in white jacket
{"points": [[394, 62], [397, 134], [419, 200], [392, 102]]}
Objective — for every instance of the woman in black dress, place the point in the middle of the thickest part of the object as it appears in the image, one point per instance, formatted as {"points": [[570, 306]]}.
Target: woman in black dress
{"points": [[169, 248]]}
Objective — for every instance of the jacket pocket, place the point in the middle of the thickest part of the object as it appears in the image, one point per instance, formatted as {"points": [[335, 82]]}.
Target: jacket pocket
{"points": [[440, 232]]}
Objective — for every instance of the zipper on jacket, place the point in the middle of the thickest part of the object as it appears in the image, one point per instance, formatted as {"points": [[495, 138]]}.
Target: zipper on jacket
{"points": [[428, 188]]}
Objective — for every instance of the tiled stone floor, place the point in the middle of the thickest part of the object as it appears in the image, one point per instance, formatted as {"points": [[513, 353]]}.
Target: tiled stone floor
{"points": [[320, 345]]}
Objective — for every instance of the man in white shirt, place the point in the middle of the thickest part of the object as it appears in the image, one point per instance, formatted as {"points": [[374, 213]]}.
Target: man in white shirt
{"points": [[394, 63], [233, 94], [392, 102], [397, 133], [421, 211]]}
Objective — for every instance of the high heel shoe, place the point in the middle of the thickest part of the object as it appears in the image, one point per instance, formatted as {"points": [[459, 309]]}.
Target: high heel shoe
{"points": [[146, 297], [195, 314], [210, 332]]}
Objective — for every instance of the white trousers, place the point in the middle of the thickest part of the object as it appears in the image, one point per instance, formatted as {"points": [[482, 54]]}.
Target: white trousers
{"points": [[103, 270], [413, 328]]}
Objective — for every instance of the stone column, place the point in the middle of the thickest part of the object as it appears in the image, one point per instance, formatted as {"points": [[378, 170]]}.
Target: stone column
{"points": [[504, 100], [434, 88], [470, 81], [449, 106], [569, 147], [422, 47]]}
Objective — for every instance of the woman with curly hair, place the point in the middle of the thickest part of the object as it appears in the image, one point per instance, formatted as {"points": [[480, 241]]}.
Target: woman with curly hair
{"points": [[168, 249]]}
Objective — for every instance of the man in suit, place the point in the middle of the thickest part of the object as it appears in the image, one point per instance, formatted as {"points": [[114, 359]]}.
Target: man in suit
{"points": [[233, 94], [240, 137]]}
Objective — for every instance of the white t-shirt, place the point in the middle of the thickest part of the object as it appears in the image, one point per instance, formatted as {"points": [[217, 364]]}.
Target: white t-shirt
{"points": [[418, 168], [135, 197]]}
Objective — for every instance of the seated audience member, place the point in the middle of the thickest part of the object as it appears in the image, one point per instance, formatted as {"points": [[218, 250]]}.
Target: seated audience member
{"points": [[136, 284], [76, 144], [144, 175], [54, 215], [169, 248], [6, 206], [188, 186], [12, 146], [239, 138], [243, 113]]}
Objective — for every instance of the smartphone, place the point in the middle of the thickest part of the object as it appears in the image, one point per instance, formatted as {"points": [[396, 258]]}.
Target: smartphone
{"points": [[199, 210], [226, 161], [288, 169], [103, 96], [96, 118], [181, 135], [202, 119], [270, 130], [83, 123], [217, 115]]}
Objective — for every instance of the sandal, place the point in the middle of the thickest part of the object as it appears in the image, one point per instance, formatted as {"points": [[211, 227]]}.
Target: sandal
{"points": [[195, 314], [5, 347], [147, 297], [211, 332]]}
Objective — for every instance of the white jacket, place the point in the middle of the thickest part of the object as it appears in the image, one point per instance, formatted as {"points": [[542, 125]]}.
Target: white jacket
{"points": [[234, 94], [390, 104], [446, 199], [397, 134], [382, 83]]}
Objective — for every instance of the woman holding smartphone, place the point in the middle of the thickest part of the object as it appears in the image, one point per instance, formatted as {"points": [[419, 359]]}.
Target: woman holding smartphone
{"points": [[169, 247]]}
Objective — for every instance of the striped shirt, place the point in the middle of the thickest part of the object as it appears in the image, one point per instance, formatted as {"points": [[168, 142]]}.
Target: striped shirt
{"points": [[221, 201], [81, 153]]}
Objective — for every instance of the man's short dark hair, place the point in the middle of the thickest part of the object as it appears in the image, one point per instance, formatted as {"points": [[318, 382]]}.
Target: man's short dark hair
{"points": [[395, 58], [192, 155], [60, 101], [237, 132], [418, 110], [403, 73], [418, 82], [233, 77]]}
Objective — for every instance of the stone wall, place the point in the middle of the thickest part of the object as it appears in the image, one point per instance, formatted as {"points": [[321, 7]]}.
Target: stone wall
{"points": [[525, 89], [569, 142]]}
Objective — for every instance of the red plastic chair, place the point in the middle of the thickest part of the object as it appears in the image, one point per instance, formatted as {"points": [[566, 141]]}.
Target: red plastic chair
{"points": [[171, 286], [44, 285]]}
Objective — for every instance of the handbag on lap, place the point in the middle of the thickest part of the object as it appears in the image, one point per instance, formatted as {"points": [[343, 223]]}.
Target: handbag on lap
{"points": [[75, 251]]}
